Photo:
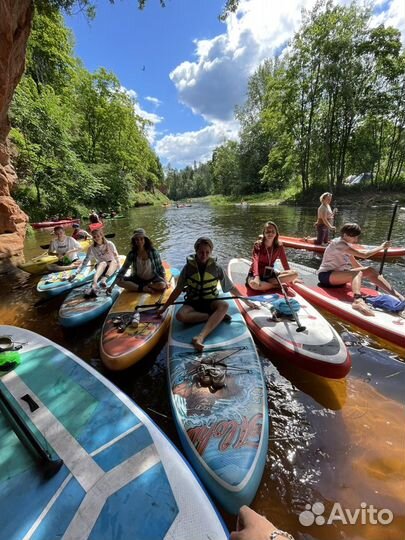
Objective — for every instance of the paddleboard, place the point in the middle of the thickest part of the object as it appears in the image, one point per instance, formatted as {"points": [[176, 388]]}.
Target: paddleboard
{"points": [[49, 224], [58, 282], [318, 348], [338, 300], [39, 265], [120, 477], [77, 309], [122, 344], [224, 433], [309, 245]]}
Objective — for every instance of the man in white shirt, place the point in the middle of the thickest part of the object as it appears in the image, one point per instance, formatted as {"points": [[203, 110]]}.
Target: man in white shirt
{"points": [[65, 248]]}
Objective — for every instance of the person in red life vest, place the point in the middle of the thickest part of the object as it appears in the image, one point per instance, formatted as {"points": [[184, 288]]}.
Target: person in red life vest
{"points": [[80, 234], [266, 250]]}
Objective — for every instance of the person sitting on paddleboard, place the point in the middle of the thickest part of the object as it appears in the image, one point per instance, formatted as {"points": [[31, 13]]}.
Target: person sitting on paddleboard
{"points": [[199, 280], [148, 274], [80, 234], [65, 248], [339, 266], [324, 223], [107, 261], [266, 250]]}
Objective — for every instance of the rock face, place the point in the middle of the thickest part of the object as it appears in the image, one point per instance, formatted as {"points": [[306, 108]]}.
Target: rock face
{"points": [[15, 27]]}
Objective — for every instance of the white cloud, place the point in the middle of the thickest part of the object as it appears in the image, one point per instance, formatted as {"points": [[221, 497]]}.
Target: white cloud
{"points": [[154, 118], [213, 84], [182, 149], [155, 101]]}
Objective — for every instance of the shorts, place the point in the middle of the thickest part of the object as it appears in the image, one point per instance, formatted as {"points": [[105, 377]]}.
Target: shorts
{"points": [[324, 278], [202, 306], [143, 282]]}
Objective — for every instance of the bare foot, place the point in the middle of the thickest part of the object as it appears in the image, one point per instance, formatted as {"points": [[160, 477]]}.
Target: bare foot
{"points": [[362, 307], [198, 344]]}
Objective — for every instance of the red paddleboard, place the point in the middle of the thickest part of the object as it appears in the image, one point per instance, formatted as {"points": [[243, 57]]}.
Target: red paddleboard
{"points": [[318, 348], [338, 300]]}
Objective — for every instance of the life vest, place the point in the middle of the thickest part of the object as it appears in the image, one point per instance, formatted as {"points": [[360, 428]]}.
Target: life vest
{"points": [[201, 287]]}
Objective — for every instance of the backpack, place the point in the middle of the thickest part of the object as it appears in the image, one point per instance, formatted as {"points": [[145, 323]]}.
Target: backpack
{"points": [[280, 304], [386, 302]]}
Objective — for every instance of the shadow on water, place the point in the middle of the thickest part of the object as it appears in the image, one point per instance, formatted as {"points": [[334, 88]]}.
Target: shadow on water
{"points": [[330, 441]]}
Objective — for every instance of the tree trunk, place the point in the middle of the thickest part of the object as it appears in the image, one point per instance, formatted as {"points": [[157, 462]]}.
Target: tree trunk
{"points": [[15, 27]]}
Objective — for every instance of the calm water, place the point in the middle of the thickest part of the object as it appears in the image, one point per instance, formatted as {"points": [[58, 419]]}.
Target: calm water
{"points": [[330, 441]]}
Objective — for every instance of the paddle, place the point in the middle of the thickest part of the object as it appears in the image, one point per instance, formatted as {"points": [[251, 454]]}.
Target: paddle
{"points": [[294, 314], [27, 437], [246, 298], [394, 212], [109, 235]]}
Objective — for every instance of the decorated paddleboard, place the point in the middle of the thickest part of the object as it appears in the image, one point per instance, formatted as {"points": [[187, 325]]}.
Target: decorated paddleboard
{"points": [[39, 265], [338, 300], [59, 282], [129, 332], [93, 465], [309, 245], [318, 348], [78, 308], [219, 402]]}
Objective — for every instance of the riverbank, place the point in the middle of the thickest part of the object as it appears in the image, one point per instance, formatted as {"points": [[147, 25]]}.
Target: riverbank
{"points": [[354, 196], [147, 198]]}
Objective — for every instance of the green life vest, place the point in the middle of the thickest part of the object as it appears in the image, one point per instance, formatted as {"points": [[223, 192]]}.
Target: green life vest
{"points": [[201, 287]]}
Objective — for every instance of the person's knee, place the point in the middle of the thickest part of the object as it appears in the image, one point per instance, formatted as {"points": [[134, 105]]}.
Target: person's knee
{"points": [[222, 307]]}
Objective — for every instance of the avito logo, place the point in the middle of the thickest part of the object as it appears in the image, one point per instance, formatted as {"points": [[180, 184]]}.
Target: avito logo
{"points": [[366, 514]]}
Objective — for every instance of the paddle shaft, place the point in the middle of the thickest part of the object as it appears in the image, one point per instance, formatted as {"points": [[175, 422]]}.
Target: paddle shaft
{"points": [[27, 437], [109, 235], [394, 212], [294, 314]]}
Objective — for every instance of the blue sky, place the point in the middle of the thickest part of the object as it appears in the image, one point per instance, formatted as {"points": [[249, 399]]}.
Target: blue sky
{"points": [[186, 69]]}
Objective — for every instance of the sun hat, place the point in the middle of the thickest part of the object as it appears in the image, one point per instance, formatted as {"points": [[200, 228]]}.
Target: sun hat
{"points": [[139, 233]]}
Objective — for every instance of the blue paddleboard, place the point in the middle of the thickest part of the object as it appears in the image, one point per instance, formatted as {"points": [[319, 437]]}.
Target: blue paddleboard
{"points": [[224, 432], [120, 478]]}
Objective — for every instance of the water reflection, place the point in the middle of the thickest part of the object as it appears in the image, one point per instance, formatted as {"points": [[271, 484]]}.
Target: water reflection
{"points": [[330, 441]]}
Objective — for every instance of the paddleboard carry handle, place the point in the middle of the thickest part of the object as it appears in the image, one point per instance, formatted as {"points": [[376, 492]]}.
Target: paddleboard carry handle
{"points": [[28, 438]]}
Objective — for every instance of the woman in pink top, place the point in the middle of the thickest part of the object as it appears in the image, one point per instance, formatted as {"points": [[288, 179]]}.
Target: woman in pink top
{"points": [[324, 223], [266, 251]]}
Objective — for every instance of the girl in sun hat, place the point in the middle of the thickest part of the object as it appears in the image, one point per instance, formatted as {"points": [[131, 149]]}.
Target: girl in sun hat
{"points": [[147, 274]]}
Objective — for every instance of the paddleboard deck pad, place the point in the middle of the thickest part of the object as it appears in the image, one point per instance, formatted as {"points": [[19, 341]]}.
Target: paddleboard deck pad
{"points": [[224, 432], [121, 478]]}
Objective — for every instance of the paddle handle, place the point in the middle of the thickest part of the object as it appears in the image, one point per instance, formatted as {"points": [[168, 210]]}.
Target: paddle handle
{"points": [[27, 437], [394, 213]]}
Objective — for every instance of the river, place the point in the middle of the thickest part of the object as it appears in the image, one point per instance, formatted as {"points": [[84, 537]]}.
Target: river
{"points": [[330, 441]]}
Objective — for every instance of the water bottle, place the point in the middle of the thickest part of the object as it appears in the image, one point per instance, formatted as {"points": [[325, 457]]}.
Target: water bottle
{"points": [[135, 319]]}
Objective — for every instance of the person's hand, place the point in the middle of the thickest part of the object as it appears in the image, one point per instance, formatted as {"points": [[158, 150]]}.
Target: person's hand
{"points": [[333, 228], [387, 244], [256, 280], [252, 526], [160, 311], [251, 304]]}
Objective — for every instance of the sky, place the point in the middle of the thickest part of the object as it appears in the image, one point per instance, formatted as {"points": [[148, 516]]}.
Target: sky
{"points": [[186, 69]]}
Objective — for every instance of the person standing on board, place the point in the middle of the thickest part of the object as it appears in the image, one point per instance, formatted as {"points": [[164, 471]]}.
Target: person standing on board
{"points": [[199, 279], [339, 266], [325, 219], [266, 250]]}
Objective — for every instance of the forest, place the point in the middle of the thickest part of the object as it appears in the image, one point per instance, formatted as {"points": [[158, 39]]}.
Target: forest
{"points": [[332, 105], [77, 140]]}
